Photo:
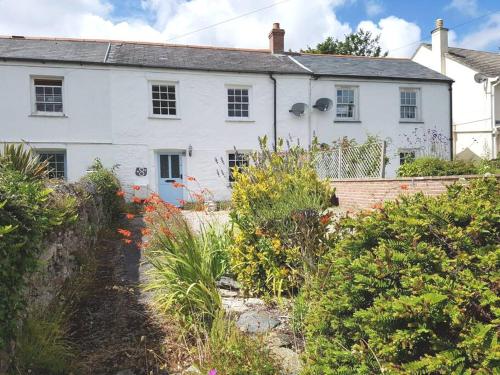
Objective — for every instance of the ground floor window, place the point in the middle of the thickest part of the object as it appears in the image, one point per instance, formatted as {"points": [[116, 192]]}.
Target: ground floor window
{"points": [[407, 156], [238, 160], [56, 163]]}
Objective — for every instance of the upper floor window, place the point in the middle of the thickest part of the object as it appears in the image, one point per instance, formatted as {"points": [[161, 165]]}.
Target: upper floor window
{"points": [[56, 163], [48, 95], [409, 99], [237, 160], [346, 103], [238, 100], [164, 99]]}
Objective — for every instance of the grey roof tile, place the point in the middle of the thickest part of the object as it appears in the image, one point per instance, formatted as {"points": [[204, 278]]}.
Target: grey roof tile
{"points": [[355, 66], [484, 62]]}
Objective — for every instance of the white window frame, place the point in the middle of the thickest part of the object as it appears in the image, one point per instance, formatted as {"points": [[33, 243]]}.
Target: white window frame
{"points": [[34, 111], [177, 115], [241, 152], [57, 152], [355, 117], [414, 150], [250, 103], [418, 105]]}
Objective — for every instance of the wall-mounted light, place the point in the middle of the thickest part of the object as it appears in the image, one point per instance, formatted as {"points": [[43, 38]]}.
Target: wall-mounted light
{"points": [[190, 150]]}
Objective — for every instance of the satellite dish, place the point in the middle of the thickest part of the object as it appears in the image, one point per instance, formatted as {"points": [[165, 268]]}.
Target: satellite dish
{"points": [[479, 77], [323, 104], [298, 109]]}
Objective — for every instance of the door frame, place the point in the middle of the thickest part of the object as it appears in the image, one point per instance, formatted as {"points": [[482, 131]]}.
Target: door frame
{"points": [[182, 160]]}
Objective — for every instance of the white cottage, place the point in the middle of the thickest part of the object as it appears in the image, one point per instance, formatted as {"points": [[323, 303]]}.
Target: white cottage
{"points": [[165, 112], [476, 93]]}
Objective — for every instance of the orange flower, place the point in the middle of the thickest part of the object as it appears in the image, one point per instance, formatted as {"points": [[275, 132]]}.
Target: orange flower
{"points": [[377, 206], [167, 232], [136, 200], [404, 186], [145, 231], [127, 241], [190, 178], [124, 232], [136, 187], [178, 185], [120, 193], [325, 219], [149, 208], [130, 216]]}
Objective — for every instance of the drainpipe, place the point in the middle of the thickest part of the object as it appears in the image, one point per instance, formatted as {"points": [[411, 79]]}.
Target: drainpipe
{"points": [[450, 90], [275, 130], [493, 119]]}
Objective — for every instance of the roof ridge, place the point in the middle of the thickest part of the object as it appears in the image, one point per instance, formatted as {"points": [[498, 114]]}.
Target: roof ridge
{"points": [[136, 42], [353, 56]]}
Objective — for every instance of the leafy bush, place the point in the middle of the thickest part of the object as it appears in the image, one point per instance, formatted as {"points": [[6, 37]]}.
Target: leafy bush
{"points": [[231, 352], [185, 265], [277, 203], [107, 185], [430, 166], [27, 213], [411, 288]]}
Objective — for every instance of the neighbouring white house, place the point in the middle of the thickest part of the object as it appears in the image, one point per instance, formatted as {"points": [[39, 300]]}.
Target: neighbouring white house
{"points": [[476, 93], [164, 113]]}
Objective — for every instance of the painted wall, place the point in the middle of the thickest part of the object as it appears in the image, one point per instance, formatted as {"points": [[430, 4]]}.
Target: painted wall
{"points": [[471, 108], [107, 115]]}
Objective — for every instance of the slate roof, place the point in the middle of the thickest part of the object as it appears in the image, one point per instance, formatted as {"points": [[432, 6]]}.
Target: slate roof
{"points": [[146, 54], [158, 55], [484, 62], [373, 67]]}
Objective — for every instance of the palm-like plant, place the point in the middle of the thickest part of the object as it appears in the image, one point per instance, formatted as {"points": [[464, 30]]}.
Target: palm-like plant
{"points": [[24, 160]]}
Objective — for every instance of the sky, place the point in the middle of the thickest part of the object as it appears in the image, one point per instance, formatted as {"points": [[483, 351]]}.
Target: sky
{"points": [[401, 24]]}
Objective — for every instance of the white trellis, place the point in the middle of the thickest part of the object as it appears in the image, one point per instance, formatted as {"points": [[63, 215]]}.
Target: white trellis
{"points": [[352, 162]]}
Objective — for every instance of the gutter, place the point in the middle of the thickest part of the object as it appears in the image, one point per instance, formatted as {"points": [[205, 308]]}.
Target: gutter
{"points": [[275, 130], [450, 90]]}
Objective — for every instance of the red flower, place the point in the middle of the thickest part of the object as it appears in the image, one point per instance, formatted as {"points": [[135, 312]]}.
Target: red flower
{"points": [[127, 241], [178, 185], [136, 187], [149, 208], [404, 186], [377, 206], [190, 178], [167, 232], [325, 219], [120, 193], [182, 202], [124, 232], [136, 200], [130, 216], [145, 231]]}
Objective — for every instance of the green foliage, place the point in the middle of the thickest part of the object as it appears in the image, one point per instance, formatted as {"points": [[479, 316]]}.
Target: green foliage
{"points": [[185, 265], [276, 205], [411, 288], [231, 352], [28, 211], [42, 346], [21, 159], [431, 166], [360, 43], [107, 185]]}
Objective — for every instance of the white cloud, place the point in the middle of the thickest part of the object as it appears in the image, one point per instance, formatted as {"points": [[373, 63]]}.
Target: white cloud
{"points": [[373, 8], [487, 35], [397, 35], [468, 7], [306, 22]]}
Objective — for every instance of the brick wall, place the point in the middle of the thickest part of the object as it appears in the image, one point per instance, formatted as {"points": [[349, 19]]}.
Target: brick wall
{"points": [[364, 193]]}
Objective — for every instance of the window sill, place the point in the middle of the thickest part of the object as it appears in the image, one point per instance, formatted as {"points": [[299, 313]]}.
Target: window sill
{"points": [[411, 122], [164, 117], [347, 121], [52, 115], [239, 120]]}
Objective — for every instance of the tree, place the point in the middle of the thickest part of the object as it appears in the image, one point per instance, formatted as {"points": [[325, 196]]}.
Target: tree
{"points": [[360, 43]]}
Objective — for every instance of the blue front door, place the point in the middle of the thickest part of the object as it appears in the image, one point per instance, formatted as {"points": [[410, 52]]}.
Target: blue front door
{"points": [[170, 173]]}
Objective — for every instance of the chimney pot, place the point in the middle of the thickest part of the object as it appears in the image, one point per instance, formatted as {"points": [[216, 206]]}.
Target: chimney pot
{"points": [[277, 39], [439, 23]]}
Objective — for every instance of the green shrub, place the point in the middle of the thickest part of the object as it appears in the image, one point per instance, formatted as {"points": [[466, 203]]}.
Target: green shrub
{"points": [[21, 159], [107, 185], [231, 352], [411, 288], [277, 203], [430, 166], [27, 213], [185, 265]]}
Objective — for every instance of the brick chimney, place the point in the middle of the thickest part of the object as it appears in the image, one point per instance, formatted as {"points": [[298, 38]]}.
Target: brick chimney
{"points": [[439, 46], [277, 39]]}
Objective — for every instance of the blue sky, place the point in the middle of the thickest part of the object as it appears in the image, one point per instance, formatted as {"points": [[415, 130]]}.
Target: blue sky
{"points": [[307, 22]]}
